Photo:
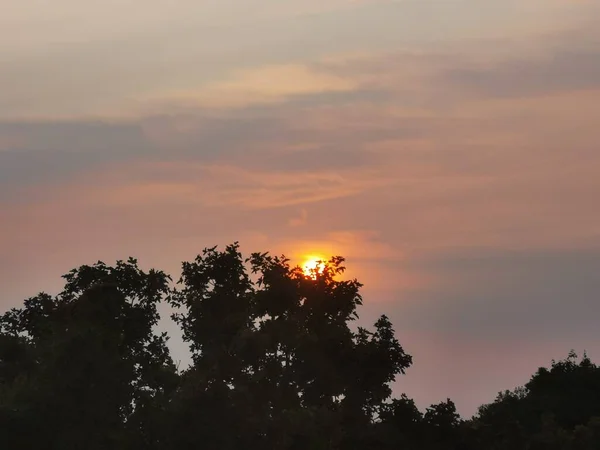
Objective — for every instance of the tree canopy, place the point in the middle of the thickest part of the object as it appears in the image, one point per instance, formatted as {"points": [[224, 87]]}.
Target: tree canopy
{"points": [[278, 362]]}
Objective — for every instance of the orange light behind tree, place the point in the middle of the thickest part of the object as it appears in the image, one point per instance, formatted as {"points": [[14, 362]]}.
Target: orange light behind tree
{"points": [[313, 265]]}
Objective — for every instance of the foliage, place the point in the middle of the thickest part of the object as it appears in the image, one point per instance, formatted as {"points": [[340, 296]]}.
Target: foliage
{"points": [[558, 408], [279, 350], [79, 369], [278, 362]]}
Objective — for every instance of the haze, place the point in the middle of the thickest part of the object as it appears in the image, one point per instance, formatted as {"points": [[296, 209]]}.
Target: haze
{"points": [[448, 149]]}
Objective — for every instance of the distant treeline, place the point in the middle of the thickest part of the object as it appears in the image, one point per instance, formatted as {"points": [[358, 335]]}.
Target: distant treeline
{"points": [[276, 364]]}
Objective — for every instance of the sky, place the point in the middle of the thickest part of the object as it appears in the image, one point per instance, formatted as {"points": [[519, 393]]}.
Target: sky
{"points": [[448, 149]]}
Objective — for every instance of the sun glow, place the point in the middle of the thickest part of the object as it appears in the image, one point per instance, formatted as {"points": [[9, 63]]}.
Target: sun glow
{"points": [[313, 265]]}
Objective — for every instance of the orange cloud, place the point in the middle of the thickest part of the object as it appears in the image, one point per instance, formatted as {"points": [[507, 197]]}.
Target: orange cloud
{"points": [[266, 84], [220, 185]]}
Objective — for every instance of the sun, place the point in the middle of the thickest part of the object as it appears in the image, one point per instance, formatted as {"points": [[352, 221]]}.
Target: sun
{"points": [[313, 265]]}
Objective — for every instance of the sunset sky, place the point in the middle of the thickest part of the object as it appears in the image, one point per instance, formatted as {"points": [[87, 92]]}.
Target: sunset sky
{"points": [[449, 149]]}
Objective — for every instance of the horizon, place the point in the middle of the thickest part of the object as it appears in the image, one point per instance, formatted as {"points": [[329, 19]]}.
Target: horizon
{"points": [[447, 150]]}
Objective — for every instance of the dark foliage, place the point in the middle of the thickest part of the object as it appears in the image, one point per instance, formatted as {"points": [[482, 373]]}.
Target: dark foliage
{"points": [[277, 363]]}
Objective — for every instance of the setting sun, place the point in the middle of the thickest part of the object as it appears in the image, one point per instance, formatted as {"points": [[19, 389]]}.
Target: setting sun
{"points": [[313, 264]]}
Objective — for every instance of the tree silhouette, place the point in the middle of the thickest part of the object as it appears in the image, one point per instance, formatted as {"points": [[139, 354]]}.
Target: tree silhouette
{"points": [[558, 408], [279, 350], [277, 362], [82, 367]]}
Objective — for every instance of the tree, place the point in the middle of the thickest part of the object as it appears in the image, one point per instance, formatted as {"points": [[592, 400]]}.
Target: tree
{"points": [[443, 426], [277, 362], [557, 408], [401, 425], [79, 369], [278, 349]]}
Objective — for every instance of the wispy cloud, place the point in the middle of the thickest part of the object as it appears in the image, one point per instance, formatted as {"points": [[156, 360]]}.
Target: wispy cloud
{"points": [[266, 84], [231, 186]]}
